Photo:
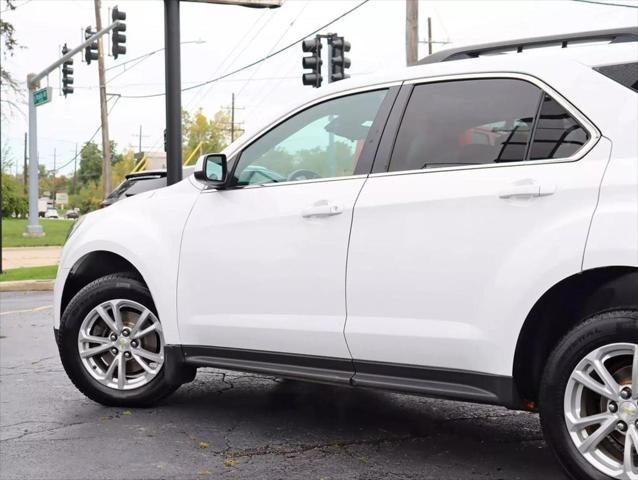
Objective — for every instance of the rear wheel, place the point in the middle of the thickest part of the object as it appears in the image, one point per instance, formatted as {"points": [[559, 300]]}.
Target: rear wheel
{"points": [[589, 398], [112, 345]]}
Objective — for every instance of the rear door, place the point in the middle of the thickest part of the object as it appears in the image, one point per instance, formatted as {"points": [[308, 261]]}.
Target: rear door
{"points": [[466, 222]]}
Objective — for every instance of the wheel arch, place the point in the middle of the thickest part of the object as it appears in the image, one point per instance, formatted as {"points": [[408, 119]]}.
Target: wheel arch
{"points": [[92, 266], [560, 308]]}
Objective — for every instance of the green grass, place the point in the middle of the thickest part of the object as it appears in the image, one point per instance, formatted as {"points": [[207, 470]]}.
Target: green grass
{"points": [[56, 232], [29, 273]]}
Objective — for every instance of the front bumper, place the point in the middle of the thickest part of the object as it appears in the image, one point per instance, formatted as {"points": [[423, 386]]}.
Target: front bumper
{"points": [[58, 290]]}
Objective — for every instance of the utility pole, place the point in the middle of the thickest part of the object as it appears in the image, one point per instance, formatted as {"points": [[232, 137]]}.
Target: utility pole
{"points": [[24, 168], [235, 128], [75, 168], [429, 35], [139, 149], [106, 146], [232, 119], [412, 31]]}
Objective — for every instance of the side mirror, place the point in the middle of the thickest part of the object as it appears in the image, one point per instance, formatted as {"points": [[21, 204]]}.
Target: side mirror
{"points": [[213, 170]]}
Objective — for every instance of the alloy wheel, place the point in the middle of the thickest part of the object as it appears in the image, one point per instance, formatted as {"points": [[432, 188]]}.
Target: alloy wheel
{"points": [[601, 409], [121, 344]]}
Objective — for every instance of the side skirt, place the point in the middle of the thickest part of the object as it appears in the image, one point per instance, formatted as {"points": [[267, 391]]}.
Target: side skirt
{"points": [[438, 382], [303, 367], [432, 382]]}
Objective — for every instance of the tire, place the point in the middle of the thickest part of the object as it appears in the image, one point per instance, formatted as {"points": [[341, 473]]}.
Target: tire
{"points": [[610, 337], [126, 293]]}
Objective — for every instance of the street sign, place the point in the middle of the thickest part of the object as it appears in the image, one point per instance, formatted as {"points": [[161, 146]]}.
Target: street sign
{"points": [[42, 96], [62, 198]]}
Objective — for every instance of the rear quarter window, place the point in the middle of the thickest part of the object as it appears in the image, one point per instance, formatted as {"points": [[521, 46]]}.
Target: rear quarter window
{"points": [[624, 73]]}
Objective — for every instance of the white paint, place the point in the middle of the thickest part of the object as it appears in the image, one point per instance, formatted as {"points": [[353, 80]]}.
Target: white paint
{"points": [[441, 270]]}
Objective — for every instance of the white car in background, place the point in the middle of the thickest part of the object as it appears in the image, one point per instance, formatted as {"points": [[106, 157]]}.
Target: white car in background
{"points": [[461, 229], [51, 213]]}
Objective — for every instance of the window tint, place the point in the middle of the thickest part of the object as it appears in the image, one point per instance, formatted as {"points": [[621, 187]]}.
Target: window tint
{"points": [[624, 73], [466, 122], [557, 134], [133, 186], [320, 142]]}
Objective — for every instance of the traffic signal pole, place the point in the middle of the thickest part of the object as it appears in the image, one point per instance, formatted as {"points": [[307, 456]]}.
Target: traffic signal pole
{"points": [[34, 229], [173, 78]]}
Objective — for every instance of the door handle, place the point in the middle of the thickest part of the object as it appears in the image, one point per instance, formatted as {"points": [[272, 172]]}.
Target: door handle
{"points": [[322, 209], [528, 190]]}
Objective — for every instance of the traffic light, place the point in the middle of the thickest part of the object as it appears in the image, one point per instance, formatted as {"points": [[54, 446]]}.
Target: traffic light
{"points": [[338, 60], [90, 51], [118, 39], [67, 72], [312, 62]]}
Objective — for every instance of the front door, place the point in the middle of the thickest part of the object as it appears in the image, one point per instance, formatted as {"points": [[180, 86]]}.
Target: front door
{"points": [[262, 264]]}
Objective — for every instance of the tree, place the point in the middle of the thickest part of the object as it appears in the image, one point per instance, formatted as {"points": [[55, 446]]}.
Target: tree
{"points": [[89, 188], [122, 167], [14, 201], [90, 164], [214, 134], [6, 158], [8, 85], [88, 198], [115, 157]]}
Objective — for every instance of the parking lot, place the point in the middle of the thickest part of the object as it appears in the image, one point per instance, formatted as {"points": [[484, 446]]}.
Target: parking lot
{"points": [[242, 426]]}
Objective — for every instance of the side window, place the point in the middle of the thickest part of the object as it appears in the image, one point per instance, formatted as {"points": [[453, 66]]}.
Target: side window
{"points": [[557, 134], [466, 122], [624, 73], [321, 142]]}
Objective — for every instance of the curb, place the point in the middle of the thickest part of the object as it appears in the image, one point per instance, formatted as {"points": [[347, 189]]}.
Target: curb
{"points": [[27, 286]]}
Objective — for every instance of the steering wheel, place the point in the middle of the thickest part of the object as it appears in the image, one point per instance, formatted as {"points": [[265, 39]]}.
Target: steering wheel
{"points": [[302, 174]]}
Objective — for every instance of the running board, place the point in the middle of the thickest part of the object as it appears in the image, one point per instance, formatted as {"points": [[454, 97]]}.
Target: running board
{"points": [[301, 367], [433, 382]]}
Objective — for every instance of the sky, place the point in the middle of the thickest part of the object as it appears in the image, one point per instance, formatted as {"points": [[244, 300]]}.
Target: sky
{"points": [[218, 39]]}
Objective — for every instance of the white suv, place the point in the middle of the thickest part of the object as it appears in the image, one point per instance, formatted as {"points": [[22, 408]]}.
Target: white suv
{"points": [[461, 229]]}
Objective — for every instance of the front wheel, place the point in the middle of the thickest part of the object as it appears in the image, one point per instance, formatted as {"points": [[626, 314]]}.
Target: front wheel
{"points": [[111, 343], [589, 398]]}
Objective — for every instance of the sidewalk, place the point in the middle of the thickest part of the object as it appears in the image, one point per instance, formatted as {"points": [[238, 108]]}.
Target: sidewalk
{"points": [[27, 286], [16, 257]]}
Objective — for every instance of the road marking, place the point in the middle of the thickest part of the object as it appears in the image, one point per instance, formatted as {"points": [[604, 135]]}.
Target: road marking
{"points": [[36, 309]]}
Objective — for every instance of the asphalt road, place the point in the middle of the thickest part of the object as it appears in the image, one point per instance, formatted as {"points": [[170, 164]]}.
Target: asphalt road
{"points": [[242, 426]]}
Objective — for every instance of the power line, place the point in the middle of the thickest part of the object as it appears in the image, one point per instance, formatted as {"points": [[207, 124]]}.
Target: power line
{"points": [[128, 69], [285, 32], [262, 98], [88, 141], [230, 55], [266, 13], [609, 4], [15, 7], [146, 55], [256, 62]]}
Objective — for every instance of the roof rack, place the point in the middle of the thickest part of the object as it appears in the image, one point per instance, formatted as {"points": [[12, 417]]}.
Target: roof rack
{"points": [[616, 35]]}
